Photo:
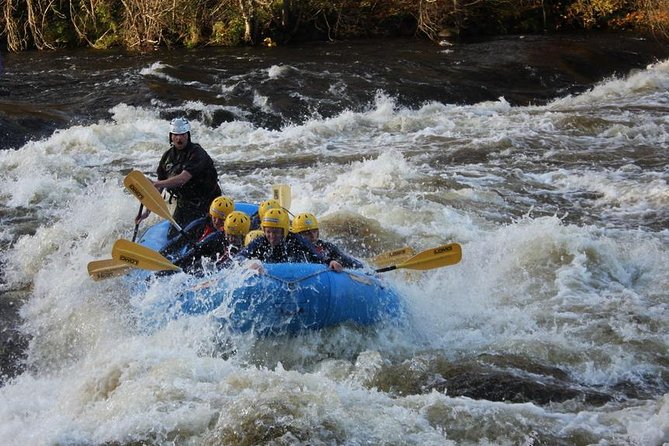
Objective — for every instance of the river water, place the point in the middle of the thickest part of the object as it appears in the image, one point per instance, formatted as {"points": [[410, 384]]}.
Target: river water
{"points": [[544, 157]]}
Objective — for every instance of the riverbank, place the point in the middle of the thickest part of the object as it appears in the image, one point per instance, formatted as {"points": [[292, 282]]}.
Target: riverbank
{"points": [[141, 25]]}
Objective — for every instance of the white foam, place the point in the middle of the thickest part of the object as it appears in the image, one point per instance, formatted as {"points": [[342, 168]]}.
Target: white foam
{"points": [[640, 83], [590, 300], [279, 71]]}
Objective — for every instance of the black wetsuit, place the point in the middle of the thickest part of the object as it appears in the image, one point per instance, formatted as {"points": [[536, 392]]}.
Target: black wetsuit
{"points": [[214, 247], [331, 252], [193, 231], [194, 197], [293, 249]]}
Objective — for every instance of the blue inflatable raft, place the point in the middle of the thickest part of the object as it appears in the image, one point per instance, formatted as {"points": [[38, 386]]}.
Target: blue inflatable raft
{"points": [[288, 299]]}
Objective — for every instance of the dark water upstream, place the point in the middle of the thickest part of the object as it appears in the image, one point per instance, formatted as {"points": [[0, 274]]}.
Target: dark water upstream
{"points": [[544, 157], [44, 91]]}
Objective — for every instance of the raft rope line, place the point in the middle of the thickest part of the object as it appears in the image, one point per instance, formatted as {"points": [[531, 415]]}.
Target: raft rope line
{"points": [[291, 284]]}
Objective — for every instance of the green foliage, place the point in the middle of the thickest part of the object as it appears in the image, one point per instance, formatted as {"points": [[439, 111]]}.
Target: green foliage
{"points": [[193, 38], [108, 40], [227, 34], [58, 33], [105, 27]]}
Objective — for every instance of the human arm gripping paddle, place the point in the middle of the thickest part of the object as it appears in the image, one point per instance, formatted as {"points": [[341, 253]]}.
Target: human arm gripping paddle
{"points": [[142, 188], [430, 258], [139, 256]]}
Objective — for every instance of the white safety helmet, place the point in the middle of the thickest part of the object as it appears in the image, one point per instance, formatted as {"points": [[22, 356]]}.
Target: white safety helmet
{"points": [[179, 126]]}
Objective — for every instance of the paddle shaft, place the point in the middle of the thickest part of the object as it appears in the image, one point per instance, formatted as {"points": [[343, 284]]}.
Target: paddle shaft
{"points": [[139, 214], [387, 268]]}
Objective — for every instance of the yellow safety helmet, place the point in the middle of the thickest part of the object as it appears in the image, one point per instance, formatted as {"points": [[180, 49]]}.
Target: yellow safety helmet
{"points": [[267, 205], [252, 235], [237, 223], [276, 218], [304, 222], [221, 207]]}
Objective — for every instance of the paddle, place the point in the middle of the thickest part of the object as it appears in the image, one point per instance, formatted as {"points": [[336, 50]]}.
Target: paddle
{"points": [[105, 269], [108, 268], [430, 258], [139, 256], [281, 192], [139, 214], [392, 257], [142, 188], [145, 258]]}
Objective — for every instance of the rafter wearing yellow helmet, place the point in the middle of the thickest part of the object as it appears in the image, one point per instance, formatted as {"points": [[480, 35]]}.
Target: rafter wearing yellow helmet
{"points": [[306, 225]]}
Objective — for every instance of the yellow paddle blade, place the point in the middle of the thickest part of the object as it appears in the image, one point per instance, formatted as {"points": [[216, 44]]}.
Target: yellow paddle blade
{"points": [[281, 192], [393, 257], [430, 258], [142, 188], [140, 256], [434, 257], [105, 269]]}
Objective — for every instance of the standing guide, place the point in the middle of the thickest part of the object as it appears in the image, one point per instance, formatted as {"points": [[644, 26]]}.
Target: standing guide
{"points": [[188, 173]]}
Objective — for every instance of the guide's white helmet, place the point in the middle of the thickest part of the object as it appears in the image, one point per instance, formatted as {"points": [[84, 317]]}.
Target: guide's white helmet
{"points": [[179, 126]]}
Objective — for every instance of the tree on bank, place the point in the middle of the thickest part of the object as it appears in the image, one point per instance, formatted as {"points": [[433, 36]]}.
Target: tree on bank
{"points": [[145, 24]]}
